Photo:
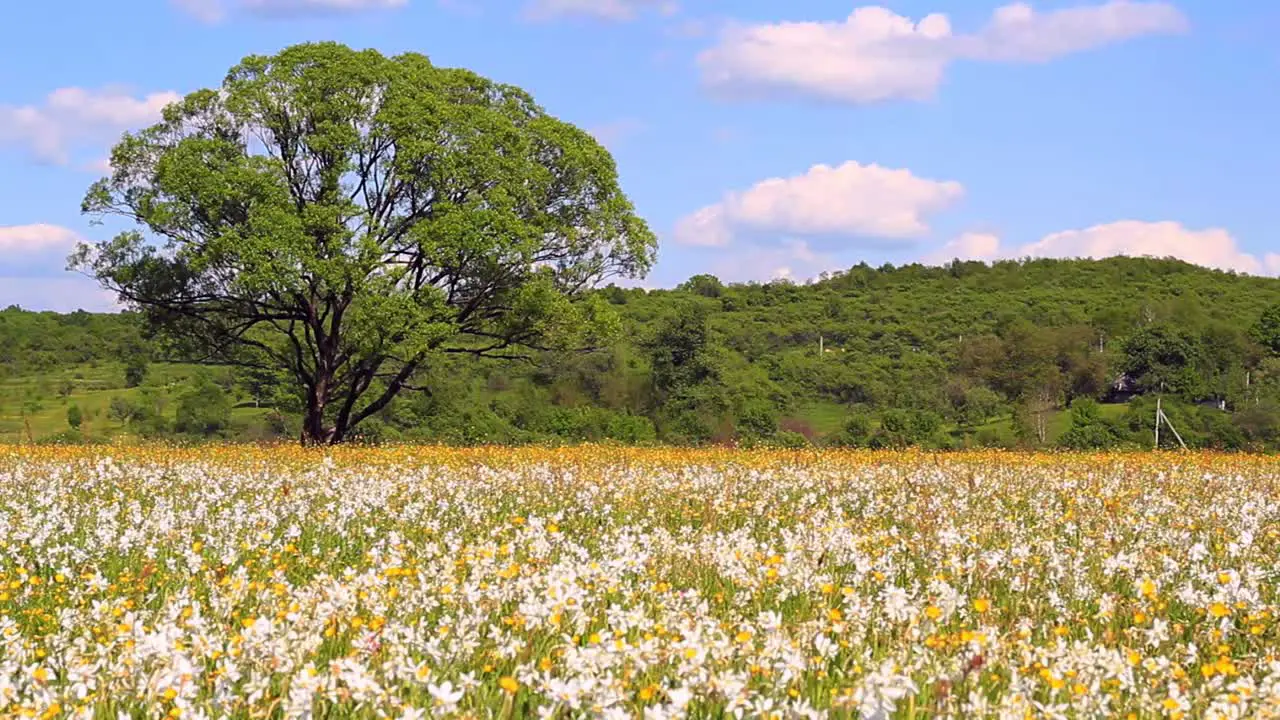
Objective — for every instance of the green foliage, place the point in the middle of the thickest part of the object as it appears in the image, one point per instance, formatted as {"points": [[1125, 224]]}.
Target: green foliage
{"points": [[631, 429], [122, 410], [74, 416], [1089, 430], [973, 405], [1266, 331], [203, 410], [856, 433], [1162, 358], [135, 370], [789, 440], [757, 418], [681, 358], [969, 355], [66, 437], [1259, 425], [906, 428], [705, 285]]}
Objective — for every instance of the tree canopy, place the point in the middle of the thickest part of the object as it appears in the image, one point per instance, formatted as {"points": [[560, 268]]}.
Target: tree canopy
{"points": [[351, 218]]}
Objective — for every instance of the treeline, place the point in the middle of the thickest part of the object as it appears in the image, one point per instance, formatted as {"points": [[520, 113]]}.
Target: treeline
{"points": [[1030, 354]]}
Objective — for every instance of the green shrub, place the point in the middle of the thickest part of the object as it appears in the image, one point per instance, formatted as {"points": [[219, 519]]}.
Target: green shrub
{"points": [[789, 440], [74, 417], [203, 410], [630, 429]]}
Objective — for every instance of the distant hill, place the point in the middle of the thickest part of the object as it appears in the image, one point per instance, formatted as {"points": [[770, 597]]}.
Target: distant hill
{"points": [[963, 354]]}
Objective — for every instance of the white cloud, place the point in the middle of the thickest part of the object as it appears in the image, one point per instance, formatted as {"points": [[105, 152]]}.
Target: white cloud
{"points": [[851, 200], [70, 118], [66, 293], [793, 259], [876, 54], [969, 246], [612, 10], [30, 259], [1212, 247], [212, 11], [1017, 33], [37, 238]]}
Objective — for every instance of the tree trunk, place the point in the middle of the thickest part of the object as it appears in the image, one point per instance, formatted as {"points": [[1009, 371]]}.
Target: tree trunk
{"points": [[315, 432]]}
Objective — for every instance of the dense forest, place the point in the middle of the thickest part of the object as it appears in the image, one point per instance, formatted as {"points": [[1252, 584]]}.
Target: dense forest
{"points": [[1038, 353]]}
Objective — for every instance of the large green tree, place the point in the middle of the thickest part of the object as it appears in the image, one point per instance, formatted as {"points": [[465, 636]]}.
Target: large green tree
{"points": [[1266, 331], [1163, 358], [348, 216]]}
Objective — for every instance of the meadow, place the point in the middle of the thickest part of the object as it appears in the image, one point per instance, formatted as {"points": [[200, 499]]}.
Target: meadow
{"points": [[242, 582]]}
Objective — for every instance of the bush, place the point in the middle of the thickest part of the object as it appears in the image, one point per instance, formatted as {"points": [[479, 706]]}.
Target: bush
{"points": [[907, 428], [74, 417], [1220, 433], [789, 440], [989, 438], [276, 423], [121, 410], [757, 419], [375, 431], [978, 404], [203, 410], [856, 433], [571, 423], [135, 371], [1260, 424], [66, 437], [798, 426], [687, 428], [1089, 431], [630, 429]]}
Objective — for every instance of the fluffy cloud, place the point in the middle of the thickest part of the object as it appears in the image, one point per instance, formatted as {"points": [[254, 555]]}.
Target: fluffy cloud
{"points": [[1017, 33], [793, 259], [1213, 247], [212, 11], [851, 200], [37, 238], [969, 246], [613, 10], [876, 54], [72, 117], [31, 256]]}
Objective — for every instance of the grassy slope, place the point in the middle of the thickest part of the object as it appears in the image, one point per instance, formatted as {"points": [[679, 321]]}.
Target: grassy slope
{"points": [[93, 388]]}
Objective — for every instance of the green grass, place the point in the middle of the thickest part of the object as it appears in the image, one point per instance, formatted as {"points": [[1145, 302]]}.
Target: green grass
{"points": [[824, 416], [92, 388]]}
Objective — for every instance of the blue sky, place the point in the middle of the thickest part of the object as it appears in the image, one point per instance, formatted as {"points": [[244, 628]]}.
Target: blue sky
{"points": [[942, 128]]}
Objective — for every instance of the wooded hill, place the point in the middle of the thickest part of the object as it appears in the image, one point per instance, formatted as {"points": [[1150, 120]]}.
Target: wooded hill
{"points": [[1011, 354]]}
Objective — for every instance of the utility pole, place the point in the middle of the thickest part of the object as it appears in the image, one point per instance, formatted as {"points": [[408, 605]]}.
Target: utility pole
{"points": [[1158, 413], [1161, 417]]}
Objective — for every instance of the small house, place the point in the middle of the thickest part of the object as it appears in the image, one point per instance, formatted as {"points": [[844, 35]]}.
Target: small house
{"points": [[1123, 389]]}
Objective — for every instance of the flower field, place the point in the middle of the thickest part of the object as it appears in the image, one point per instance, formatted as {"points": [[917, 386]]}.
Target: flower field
{"points": [[398, 583]]}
